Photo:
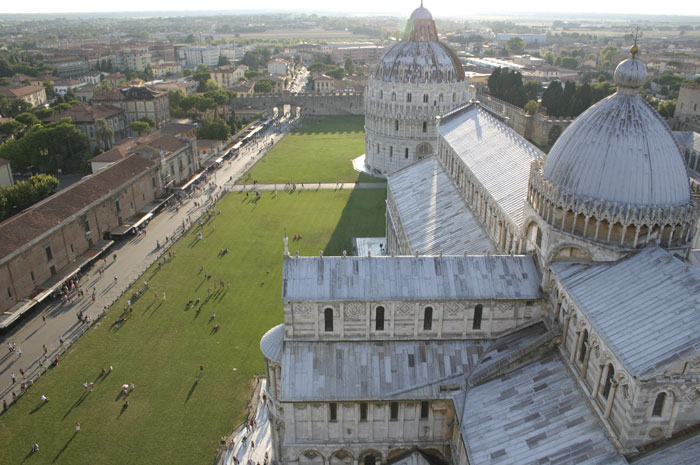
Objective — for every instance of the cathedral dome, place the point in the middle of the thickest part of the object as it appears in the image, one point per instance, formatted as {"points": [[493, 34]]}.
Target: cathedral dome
{"points": [[620, 151], [421, 13], [421, 57]]}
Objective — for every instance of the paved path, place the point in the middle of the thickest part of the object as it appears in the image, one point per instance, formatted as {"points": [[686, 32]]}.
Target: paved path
{"points": [[261, 436], [307, 187], [134, 256]]}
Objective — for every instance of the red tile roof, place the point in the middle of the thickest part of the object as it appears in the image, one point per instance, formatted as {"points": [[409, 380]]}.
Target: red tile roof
{"points": [[38, 219], [87, 113]]}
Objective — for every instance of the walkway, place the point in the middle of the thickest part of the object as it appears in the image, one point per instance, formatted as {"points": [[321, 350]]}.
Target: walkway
{"points": [[54, 320], [261, 436], [308, 187]]}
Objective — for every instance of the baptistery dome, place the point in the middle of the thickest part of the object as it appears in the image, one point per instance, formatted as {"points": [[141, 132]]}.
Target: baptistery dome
{"points": [[421, 57], [417, 80], [621, 150]]}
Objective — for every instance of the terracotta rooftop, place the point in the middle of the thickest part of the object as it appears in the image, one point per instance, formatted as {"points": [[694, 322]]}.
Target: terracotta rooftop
{"points": [[116, 153], [87, 113], [16, 91], [177, 128], [38, 219]]}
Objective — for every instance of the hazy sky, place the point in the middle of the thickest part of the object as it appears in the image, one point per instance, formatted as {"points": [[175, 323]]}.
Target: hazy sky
{"points": [[439, 8]]}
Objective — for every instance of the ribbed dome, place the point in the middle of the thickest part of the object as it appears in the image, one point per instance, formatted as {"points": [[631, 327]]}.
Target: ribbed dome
{"points": [[620, 150], [421, 57], [421, 13]]}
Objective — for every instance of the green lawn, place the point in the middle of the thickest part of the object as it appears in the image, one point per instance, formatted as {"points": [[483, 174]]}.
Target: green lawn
{"points": [[160, 347], [319, 149]]}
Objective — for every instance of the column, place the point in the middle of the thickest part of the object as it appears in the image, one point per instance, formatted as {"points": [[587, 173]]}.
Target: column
{"points": [[611, 398]]}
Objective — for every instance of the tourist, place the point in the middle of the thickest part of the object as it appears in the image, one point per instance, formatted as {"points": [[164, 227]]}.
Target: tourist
{"points": [[77, 423], [12, 375], [35, 447], [44, 398]]}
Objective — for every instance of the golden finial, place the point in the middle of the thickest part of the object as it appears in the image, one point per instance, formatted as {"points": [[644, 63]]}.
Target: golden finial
{"points": [[634, 50]]}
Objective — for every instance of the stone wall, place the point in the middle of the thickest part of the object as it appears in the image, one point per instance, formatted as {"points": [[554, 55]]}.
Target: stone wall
{"points": [[320, 104], [406, 320], [536, 128]]}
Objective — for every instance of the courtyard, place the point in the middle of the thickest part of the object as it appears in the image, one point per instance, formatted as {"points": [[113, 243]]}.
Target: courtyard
{"points": [[318, 150], [191, 362]]}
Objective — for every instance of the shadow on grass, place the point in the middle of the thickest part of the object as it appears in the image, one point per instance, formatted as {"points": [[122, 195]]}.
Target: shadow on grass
{"points": [[363, 216], [38, 407], [80, 400], [64, 447], [194, 386]]}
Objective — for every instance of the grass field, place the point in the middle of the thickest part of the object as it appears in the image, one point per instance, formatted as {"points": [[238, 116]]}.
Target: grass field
{"points": [[320, 149], [170, 418]]}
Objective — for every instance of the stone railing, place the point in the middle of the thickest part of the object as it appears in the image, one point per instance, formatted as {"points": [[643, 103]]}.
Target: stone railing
{"points": [[545, 196]]}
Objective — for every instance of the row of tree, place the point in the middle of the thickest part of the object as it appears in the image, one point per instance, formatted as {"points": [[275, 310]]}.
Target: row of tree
{"points": [[22, 194], [572, 99], [507, 85]]}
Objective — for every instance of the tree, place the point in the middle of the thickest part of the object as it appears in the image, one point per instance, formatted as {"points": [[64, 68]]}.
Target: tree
{"points": [[12, 128], [23, 194], [223, 60], [202, 75], [139, 127], [507, 85], [549, 58], [28, 119], [104, 133], [532, 89], [531, 107], [214, 129], [667, 108], [569, 62], [552, 98], [515, 45], [349, 66], [583, 98], [151, 123], [148, 73], [264, 86], [337, 73]]}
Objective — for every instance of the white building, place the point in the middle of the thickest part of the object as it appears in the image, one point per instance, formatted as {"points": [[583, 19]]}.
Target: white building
{"points": [[534, 308], [279, 67], [417, 79], [198, 55]]}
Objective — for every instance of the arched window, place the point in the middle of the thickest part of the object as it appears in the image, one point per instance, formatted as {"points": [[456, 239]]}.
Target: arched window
{"points": [[381, 94], [370, 460], [659, 405], [425, 126], [379, 322], [393, 96], [396, 125], [406, 154], [328, 319], [608, 381], [440, 98], [584, 346], [428, 319], [425, 98], [408, 97], [478, 312]]}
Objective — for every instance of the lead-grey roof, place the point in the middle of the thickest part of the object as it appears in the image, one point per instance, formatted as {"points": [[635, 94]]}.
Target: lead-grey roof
{"points": [[409, 278], [646, 307], [433, 214], [681, 453], [272, 342], [497, 156], [317, 371], [533, 415], [688, 138], [620, 150]]}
